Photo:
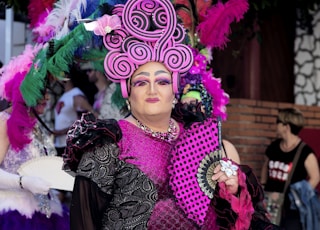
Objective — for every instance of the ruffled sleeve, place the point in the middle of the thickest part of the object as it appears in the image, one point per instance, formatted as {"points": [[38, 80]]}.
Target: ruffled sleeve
{"points": [[87, 134], [245, 211]]}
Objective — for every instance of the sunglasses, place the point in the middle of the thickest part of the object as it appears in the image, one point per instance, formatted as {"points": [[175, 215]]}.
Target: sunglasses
{"points": [[279, 121]]}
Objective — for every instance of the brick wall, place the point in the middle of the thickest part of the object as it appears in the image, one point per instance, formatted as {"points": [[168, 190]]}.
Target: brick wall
{"points": [[251, 126]]}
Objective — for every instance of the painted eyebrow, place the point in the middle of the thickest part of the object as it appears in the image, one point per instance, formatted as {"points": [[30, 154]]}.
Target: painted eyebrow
{"points": [[160, 72], [142, 73], [148, 74]]}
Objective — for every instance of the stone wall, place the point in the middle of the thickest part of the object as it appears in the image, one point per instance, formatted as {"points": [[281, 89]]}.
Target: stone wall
{"points": [[307, 63], [251, 126]]}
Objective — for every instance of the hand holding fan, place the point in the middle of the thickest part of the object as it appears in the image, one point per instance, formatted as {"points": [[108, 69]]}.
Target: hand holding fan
{"points": [[48, 168]]}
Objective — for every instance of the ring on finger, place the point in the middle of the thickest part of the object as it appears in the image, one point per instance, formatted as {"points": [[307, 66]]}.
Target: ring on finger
{"points": [[228, 168]]}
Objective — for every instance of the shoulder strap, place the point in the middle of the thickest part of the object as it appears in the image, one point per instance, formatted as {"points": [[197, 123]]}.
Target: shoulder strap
{"points": [[294, 164]]}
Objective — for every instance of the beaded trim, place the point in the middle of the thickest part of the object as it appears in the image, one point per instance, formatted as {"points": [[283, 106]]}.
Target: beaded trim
{"points": [[169, 136]]}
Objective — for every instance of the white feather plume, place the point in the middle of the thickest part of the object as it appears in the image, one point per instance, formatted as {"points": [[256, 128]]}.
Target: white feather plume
{"points": [[59, 18]]}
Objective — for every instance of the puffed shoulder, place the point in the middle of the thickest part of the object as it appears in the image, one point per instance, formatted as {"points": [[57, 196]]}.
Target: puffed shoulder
{"points": [[85, 135]]}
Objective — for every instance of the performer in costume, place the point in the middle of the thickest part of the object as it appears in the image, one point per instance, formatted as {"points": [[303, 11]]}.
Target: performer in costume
{"points": [[199, 103], [26, 202], [149, 170]]}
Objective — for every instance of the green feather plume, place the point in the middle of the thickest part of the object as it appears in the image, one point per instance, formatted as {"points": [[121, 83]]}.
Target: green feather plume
{"points": [[64, 50], [96, 56], [33, 84]]}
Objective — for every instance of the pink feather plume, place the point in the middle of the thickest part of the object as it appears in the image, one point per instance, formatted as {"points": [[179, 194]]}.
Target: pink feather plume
{"points": [[38, 10], [12, 76], [19, 120], [219, 98], [215, 28]]}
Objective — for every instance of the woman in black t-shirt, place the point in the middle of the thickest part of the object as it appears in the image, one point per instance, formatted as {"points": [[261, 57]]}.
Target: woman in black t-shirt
{"points": [[279, 159]]}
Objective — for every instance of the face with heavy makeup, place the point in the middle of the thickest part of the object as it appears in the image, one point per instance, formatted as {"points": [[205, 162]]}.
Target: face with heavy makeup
{"points": [[151, 92]]}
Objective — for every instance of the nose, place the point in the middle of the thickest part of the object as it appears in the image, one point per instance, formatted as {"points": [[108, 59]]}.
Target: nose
{"points": [[152, 87]]}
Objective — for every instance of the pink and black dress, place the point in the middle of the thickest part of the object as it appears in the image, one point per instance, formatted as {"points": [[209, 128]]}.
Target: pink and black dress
{"points": [[127, 179]]}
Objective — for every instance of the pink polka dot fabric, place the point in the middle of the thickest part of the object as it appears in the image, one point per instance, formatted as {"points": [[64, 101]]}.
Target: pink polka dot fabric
{"points": [[192, 146]]}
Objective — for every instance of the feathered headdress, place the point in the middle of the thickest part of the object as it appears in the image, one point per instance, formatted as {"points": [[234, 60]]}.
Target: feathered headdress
{"points": [[215, 28], [58, 21], [200, 79], [38, 10], [209, 29], [20, 121], [212, 23], [55, 58], [60, 46]]}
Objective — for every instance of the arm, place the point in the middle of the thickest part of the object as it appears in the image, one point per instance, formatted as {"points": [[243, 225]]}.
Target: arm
{"points": [[231, 151], [61, 131], [312, 167], [87, 205], [235, 210], [93, 187], [81, 102], [14, 181]]}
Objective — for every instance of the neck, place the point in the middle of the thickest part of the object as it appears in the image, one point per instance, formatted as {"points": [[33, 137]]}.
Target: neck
{"points": [[156, 123], [170, 134], [290, 143], [68, 87]]}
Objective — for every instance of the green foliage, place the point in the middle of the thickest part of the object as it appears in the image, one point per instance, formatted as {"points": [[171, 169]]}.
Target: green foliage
{"points": [[19, 6]]}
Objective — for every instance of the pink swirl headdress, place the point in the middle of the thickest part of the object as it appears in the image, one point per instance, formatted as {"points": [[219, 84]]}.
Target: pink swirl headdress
{"points": [[149, 32]]}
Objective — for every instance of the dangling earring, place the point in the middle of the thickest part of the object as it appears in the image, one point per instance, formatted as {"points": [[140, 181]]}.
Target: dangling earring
{"points": [[128, 105], [174, 102]]}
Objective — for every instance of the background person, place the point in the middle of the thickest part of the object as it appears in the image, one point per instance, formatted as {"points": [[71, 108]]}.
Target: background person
{"points": [[103, 104], [194, 95], [69, 107], [26, 202], [278, 161]]}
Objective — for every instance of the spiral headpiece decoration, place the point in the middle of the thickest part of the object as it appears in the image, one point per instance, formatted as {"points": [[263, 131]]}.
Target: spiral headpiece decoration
{"points": [[149, 32]]}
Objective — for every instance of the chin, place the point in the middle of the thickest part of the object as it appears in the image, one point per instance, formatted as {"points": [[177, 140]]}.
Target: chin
{"points": [[158, 112]]}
